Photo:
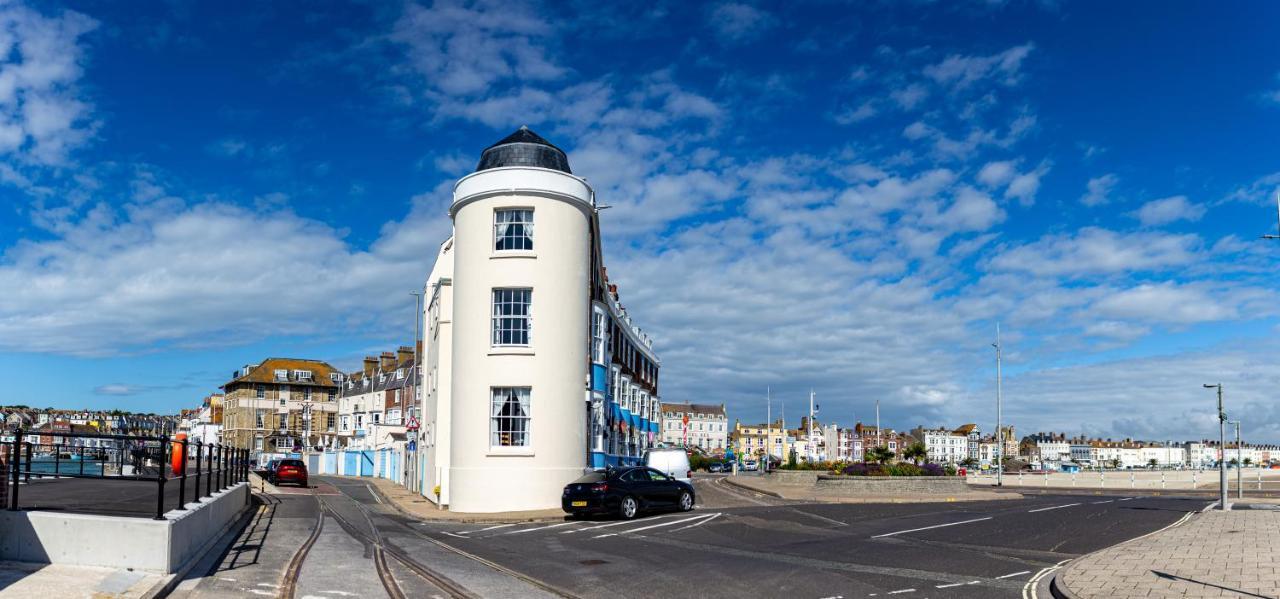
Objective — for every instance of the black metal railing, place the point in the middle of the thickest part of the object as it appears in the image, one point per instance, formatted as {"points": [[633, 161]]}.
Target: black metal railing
{"points": [[211, 467]]}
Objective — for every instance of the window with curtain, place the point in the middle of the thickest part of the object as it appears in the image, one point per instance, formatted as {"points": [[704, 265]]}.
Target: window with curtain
{"points": [[512, 321], [513, 229], [509, 417]]}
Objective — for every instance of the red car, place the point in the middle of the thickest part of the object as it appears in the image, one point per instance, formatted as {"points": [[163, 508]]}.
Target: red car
{"points": [[289, 471]]}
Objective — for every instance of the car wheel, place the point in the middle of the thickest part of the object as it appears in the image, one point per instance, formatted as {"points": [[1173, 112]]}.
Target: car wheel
{"points": [[686, 501], [628, 508]]}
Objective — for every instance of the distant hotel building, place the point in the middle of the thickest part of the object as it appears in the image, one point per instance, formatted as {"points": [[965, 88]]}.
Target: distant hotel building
{"points": [[534, 370], [281, 405], [695, 425]]}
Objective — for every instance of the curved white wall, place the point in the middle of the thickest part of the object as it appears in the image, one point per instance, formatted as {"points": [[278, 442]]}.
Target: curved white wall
{"points": [[485, 479]]}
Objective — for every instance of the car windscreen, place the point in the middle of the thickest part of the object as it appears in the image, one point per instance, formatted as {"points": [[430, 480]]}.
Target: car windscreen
{"points": [[294, 463], [593, 477]]}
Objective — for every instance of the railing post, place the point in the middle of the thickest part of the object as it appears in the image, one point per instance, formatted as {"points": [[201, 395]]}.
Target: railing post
{"points": [[208, 475], [81, 459], [182, 482], [57, 459], [218, 476], [28, 471], [160, 483]]}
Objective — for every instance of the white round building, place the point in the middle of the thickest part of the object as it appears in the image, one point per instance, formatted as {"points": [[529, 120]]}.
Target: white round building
{"points": [[534, 371]]}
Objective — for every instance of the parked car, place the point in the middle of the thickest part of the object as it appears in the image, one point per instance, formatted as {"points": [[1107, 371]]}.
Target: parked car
{"points": [[715, 467], [289, 471], [749, 466], [626, 492], [672, 461], [268, 469]]}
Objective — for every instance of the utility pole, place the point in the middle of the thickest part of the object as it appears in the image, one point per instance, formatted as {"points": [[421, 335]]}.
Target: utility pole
{"points": [[1277, 218], [768, 429], [999, 415], [417, 384], [1222, 451]]}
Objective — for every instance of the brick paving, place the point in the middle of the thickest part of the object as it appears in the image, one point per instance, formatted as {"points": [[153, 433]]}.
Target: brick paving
{"points": [[1213, 554]]}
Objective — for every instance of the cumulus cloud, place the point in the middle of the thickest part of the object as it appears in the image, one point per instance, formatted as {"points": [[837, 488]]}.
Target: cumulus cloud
{"points": [[42, 115], [1094, 250], [959, 71], [1098, 190], [1168, 210], [738, 22], [1165, 302]]}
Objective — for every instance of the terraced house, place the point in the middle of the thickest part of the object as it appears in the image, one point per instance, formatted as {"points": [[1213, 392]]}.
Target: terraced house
{"points": [[282, 405]]}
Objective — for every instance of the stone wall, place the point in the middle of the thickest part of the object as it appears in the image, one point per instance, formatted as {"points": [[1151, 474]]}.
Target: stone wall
{"points": [[873, 485], [794, 477]]}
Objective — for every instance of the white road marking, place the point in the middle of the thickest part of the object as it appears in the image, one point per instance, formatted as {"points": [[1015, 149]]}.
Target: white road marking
{"points": [[706, 520], [890, 534], [612, 534], [901, 591], [516, 532], [1014, 574], [1102, 502], [1056, 507], [569, 532], [1128, 499], [1029, 589], [375, 495], [454, 535], [490, 528], [834, 597], [947, 586]]}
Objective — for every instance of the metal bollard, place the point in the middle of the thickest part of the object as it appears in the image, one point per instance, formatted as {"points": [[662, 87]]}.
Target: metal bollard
{"points": [[1019, 478], [1073, 479], [1102, 479], [1131, 483], [1162, 479], [1046, 478]]}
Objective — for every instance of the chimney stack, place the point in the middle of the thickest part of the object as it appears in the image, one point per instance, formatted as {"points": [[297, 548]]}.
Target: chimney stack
{"points": [[370, 364], [388, 361], [404, 354]]}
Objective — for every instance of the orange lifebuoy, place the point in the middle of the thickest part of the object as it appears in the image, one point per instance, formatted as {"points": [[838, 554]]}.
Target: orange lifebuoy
{"points": [[176, 454]]}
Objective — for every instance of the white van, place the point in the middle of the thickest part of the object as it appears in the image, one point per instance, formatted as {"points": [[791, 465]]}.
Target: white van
{"points": [[672, 461]]}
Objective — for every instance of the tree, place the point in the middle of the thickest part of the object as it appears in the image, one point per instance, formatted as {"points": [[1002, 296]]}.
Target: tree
{"points": [[880, 454], [1115, 462], [916, 452], [1151, 463], [1248, 461], [969, 462]]}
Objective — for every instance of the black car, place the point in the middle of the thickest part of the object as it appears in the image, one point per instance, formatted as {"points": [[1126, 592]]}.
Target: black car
{"points": [[715, 467], [626, 492]]}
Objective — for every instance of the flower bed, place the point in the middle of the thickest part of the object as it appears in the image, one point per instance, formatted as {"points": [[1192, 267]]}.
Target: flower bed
{"points": [[874, 469]]}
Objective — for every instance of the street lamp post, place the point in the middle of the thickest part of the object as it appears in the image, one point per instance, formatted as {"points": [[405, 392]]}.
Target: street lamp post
{"points": [[999, 416], [1239, 463], [1222, 450]]}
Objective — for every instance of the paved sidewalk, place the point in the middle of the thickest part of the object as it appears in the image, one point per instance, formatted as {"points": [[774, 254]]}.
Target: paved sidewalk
{"points": [[1211, 554], [60, 581], [807, 492]]}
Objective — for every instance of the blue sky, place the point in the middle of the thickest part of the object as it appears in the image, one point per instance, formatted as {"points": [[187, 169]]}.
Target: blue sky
{"points": [[805, 195]]}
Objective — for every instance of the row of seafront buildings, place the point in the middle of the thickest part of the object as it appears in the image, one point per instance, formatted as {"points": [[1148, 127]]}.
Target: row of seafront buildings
{"points": [[832, 442], [1055, 451]]}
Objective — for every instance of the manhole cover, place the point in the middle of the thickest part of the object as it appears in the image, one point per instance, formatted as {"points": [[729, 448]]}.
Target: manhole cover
{"points": [[593, 562]]}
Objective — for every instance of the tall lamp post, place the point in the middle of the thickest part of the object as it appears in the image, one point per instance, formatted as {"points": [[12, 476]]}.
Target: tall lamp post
{"points": [[1239, 463], [999, 415], [1222, 450]]}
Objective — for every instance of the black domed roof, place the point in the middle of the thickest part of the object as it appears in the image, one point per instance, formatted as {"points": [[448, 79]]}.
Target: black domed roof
{"points": [[524, 148]]}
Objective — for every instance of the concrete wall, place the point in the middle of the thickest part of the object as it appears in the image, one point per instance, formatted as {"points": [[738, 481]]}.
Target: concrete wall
{"points": [[872, 485], [157, 546]]}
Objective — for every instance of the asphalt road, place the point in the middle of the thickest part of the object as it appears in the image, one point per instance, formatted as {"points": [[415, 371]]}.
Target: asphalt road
{"points": [[736, 543]]}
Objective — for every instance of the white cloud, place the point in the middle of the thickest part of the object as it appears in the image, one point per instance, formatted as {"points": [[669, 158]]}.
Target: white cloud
{"points": [[1099, 190], [853, 115], [1165, 302], [910, 96], [1099, 251], [997, 174], [959, 72], [737, 22], [42, 116], [1024, 186], [1168, 210]]}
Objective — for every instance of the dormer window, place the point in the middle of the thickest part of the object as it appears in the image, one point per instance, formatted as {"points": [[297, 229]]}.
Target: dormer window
{"points": [[282, 375]]}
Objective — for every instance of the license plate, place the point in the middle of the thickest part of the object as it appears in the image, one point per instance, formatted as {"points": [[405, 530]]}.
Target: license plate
{"points": [[579, 504]]}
